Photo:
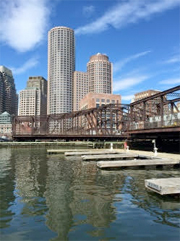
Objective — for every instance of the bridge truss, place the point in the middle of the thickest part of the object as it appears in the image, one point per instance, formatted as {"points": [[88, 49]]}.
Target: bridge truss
{"points": [[159, 112]]}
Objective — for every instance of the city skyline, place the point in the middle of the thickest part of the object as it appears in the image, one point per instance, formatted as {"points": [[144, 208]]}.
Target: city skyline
{"points": [[141, 39]]}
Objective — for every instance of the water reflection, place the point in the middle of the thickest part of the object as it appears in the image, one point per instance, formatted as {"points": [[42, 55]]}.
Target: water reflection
{"points": [[23, 189], [58, 197], [30, 177], [164, 209], [6, 187], [48, 197], [78, 197]]}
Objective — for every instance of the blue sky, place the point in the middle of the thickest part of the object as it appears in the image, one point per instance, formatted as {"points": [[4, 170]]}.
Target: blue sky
{"points": [[141, 38]]}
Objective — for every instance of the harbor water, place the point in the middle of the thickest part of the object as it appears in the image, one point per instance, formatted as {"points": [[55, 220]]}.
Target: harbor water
{"points": [[50, 197]]}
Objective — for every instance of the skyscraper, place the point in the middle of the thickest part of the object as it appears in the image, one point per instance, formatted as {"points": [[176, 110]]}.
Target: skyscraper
{"points": [[1, 92], [99, 71], [80, 88], [61, 65], [8, 96], [33, 100]]}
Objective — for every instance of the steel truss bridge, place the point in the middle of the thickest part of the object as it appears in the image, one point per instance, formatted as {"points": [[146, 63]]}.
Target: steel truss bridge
{"points": [[159, 113]]}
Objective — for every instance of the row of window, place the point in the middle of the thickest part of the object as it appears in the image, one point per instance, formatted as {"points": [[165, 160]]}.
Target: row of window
{"points": [[107, 101]]}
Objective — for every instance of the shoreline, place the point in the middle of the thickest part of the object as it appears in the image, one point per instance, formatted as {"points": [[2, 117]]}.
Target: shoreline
{"points": [[86, 145], [55, 144]]}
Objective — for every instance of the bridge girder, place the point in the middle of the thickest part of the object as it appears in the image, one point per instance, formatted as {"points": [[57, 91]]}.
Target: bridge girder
{"points": [[106, 120]]}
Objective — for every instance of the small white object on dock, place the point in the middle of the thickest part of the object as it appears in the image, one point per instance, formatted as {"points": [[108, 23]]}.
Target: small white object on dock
{"points": [[164, 186]]}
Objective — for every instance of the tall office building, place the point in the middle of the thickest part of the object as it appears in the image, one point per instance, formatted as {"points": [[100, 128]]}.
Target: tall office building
{"points": [[33, 100], [80, 88], [8, 96], [61, 66], [1, 92], [99, 71]]}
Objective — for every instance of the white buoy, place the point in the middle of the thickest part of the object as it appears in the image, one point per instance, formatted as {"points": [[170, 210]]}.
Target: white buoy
{"points": [[111, 146]]}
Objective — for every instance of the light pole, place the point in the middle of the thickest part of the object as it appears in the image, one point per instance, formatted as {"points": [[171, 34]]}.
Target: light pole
{"points": [[155, 148]]}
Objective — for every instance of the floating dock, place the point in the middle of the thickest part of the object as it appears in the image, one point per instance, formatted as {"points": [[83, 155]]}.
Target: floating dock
{"points": [[163, 186], [137, 163], [109, 156], [79, 152], [59, 151], [93, 153], [62, 151]]}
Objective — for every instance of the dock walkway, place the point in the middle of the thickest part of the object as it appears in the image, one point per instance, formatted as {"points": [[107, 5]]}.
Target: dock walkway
{"points": [[163, 185], [137, 163], [159, 154], [91, 152], [71, 152], [108, 156]]}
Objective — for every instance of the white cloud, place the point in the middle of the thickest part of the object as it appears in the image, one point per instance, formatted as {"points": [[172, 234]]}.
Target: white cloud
{"points": [[127, 97], [128, 82], [126, 13], [23, 23], [175, 81], [173, 60], [88, 10], [27, 65], [120, 64]]}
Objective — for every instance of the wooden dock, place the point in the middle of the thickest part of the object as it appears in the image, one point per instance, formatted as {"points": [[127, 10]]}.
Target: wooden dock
{"points": [[137, 163], [163, 186], [92, 152], [71, 152], [62, 151], [57, 151], [108, 156]]}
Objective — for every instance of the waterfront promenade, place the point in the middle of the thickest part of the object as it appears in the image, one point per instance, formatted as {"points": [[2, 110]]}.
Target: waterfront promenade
{"points": [[159, 154]]}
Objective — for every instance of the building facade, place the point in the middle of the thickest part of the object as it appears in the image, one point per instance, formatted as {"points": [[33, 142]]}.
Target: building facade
{"points": [[33, 100], [5, 125], [93, 100], [61, 66], [1, 93], [152, 106], [8, 96], [144, 94], [80, 88], [104, 122], [99, 71]]}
